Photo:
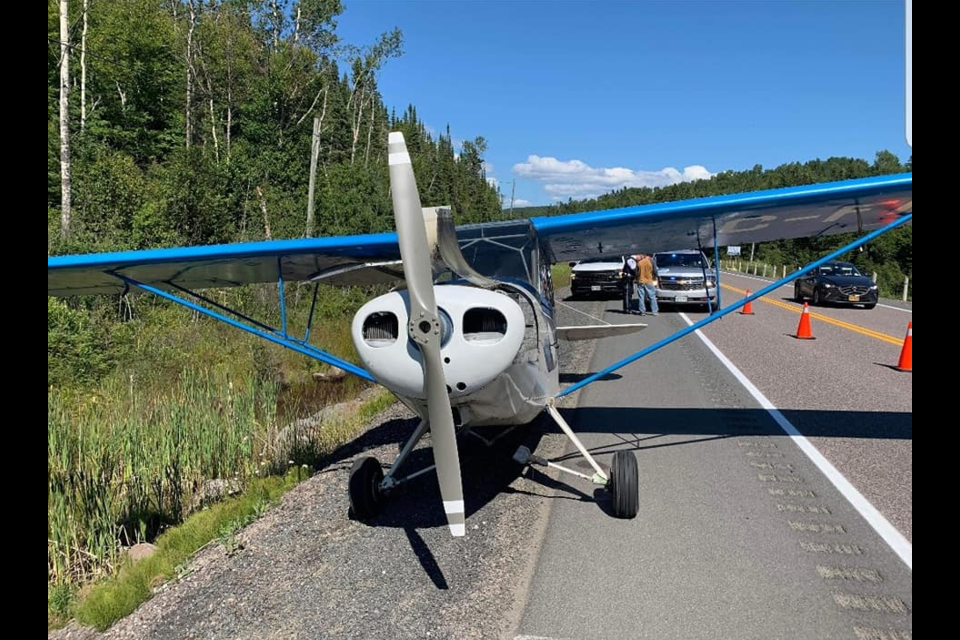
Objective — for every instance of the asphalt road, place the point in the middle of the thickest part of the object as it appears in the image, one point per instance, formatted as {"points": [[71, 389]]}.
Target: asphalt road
{"points": [[846, 369], [739, 534]]}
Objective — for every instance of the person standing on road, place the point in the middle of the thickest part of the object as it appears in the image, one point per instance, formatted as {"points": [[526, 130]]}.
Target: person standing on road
{"points": [[647, 284], [629, 279]]}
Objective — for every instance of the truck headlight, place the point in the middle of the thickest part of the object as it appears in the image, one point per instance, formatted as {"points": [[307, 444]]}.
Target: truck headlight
{"points": [[827, 285], [573, 276]]}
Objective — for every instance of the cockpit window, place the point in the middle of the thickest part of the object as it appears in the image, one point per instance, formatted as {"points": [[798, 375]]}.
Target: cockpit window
{"points": [[506, 251], [606, 259]]}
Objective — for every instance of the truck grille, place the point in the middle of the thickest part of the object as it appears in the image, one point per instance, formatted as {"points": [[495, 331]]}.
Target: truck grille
{"points": [[683, 284], [597, 276]]}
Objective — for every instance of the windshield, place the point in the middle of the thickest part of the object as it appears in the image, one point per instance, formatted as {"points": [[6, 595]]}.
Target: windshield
{"points": [[839, 269], [616, 259], [665, 260]]}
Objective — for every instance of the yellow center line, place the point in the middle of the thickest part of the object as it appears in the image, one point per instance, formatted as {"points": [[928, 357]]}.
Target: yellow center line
{"points": [[827, 319]]}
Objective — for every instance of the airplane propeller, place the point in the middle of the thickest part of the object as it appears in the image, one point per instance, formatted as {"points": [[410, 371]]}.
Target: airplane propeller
{"points": [[425, 329]]}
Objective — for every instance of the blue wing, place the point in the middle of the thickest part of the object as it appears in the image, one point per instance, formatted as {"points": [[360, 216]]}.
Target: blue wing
{"points": [[812, 210], [224, 265]]}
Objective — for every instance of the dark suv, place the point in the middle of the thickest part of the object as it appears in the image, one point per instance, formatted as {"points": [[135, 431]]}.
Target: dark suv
{"points": [[838, 283]]}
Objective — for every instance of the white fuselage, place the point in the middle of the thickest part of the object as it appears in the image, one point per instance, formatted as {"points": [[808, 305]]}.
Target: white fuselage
{"points": [[498, 348]]}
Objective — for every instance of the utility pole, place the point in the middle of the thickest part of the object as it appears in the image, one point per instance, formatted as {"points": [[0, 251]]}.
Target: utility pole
{"points": [[752, 247], [314, 154], [513, 190]]}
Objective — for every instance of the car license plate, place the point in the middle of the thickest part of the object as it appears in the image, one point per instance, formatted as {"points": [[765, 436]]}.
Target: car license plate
{"points": [[681, 298], [595, 287], [853, 298]]}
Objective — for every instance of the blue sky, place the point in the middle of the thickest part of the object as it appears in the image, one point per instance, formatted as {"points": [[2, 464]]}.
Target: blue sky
{"points": [[578, 98]]}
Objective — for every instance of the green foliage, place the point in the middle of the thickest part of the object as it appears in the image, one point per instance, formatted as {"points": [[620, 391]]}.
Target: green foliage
{"points": [[194, 200], [118, 596], [561, 275], [79, 345], [158, 165]]}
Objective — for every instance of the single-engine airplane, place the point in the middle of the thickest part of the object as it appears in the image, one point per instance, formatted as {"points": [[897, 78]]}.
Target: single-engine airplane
{"points": [[472, 339]]}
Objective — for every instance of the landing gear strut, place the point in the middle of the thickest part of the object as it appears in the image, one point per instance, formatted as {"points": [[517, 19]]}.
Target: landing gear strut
{"points": [[623, 481]]}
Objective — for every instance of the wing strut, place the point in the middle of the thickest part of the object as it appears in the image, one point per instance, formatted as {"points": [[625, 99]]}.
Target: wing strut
{"points": [[719, 314], [250, 325], [716, 265]]}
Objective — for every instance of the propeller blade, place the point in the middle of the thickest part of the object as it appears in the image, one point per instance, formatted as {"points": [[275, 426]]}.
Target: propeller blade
{"points": [[425, 329]]}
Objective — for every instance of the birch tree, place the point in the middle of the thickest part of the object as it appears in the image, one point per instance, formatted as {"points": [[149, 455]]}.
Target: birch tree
{"points": [[365, 67], [83, 68], [64, 121]]}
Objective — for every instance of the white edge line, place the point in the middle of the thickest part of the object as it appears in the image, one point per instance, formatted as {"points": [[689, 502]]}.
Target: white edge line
{"points": [[898, 543], [743, 275]]}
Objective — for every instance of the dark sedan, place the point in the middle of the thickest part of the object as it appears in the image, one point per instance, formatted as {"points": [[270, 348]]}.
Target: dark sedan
{"points": [[836, 283]]}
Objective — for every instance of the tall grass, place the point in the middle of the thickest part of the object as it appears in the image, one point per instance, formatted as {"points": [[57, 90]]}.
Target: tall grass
{"points": [[120, 465], [151, 407], [561, 275]]}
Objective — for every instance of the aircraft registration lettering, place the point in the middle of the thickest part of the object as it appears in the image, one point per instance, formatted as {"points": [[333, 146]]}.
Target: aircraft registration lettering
{"points": [[733, 225], [847, 209]]}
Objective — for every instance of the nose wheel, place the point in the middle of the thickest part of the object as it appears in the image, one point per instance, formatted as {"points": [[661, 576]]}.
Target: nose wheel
{"points": [[624, 485]]}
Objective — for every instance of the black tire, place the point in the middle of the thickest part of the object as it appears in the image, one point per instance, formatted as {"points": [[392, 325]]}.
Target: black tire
{"points": [[816, 297], [797, 297], [366, 499], [870, 306], [624, 485]]}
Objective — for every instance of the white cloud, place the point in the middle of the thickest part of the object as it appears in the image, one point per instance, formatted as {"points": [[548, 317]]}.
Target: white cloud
{"points": [[493, 182], [519, 202], [576, 179]]}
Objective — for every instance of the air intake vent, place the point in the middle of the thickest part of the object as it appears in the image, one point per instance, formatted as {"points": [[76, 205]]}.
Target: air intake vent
{"points": [[380, 329], [484, 325]]}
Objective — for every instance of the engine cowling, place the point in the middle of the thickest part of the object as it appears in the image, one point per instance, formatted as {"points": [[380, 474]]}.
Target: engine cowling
{"points": [[481, 334]]}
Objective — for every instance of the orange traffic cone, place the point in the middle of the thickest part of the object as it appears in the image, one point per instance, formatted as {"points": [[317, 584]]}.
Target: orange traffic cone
{"points": [[747, 309], [803, 329], [906, 354]]}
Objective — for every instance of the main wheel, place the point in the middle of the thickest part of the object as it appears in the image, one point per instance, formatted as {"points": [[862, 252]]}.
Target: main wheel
{"points": [[624, 484], [364, 488], [796, 292], [816, 297]]}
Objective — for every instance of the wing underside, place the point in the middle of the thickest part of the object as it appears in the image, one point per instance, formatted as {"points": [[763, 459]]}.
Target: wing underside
{"points": [[808, 211], [493, 248], [338, 260]]}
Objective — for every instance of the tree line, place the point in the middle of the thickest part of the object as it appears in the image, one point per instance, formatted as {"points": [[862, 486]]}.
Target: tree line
{"points": [[202, 121]]}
